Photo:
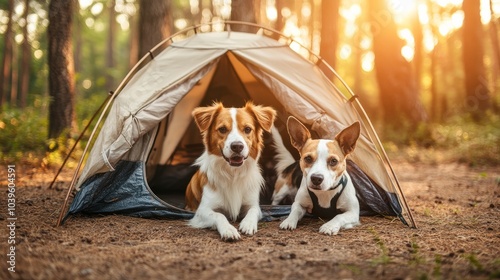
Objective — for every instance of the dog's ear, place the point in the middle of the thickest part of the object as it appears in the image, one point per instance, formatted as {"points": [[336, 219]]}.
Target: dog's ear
{"points": [[299, 134], [264, 115], [347, 138], [204, 116]]}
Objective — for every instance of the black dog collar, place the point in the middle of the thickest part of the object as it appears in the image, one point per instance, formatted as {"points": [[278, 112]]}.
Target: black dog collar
{"points": [[332, 211], [342, 181]]}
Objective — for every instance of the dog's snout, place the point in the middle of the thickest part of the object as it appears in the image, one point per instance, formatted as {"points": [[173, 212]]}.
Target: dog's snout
{"points": [[237, 146], [317, 179]]}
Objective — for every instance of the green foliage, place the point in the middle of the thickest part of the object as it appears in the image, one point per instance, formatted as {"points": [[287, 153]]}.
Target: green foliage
{"points": [[416, 258], [458, 139], [23, 133], [438, 262], [384, 257], [4, 4], [87, 107], [474, 262]]}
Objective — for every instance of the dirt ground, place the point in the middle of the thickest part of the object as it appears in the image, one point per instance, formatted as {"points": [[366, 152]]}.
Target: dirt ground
{"points": [[458, 237]]}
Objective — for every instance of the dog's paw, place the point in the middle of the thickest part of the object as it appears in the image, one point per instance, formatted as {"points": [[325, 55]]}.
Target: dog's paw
{"points": [[329, 229], [288, 224], [248, 227], [229, 233]]}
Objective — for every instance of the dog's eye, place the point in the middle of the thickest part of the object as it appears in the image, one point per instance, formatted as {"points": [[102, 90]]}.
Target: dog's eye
{"points": [[247, 130], [308, 159], [333, 162], [222, 129]]}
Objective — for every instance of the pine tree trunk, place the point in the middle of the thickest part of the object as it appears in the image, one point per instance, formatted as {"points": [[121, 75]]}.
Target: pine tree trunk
{"points": [[155, 24], [78, 42], [25, 64], [133, 41], [436, 109], [7, 57], [243, 10], [495, 46], [416, 29], [14, 75], [477, 96], [61, 68], [280, 21], [357, 58], [329, 32], [398, 92], [257, 7], [110, 59]]}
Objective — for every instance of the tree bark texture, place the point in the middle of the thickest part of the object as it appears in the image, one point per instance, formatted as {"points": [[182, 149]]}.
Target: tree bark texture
{"points": [[495, 43], [61, 68], [133, 41], [25, 64], [243, 10], [7, 57], [280, 21], [155, 24], [477, 97], [418, 35], [398, 91], [329, 32], [14, 75], [110, 49]]}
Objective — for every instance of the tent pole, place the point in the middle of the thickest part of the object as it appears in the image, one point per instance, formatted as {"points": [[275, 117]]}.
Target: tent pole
{"points": [[79, 138], [377, 140], [110, 99], [386, 160], [75, 174]]}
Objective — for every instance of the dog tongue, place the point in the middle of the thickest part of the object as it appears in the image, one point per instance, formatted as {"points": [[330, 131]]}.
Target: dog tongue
{"points": [[236, 161]]}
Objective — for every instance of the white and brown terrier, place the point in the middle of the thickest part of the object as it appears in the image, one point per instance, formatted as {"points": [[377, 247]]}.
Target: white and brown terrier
{"points": [[229, 180], [324, 186]]}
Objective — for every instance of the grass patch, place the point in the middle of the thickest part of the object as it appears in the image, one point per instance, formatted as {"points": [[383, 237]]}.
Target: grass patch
{"points": [[23, 134], [459, 139], [474, 263], [384, 252], [416, 258], [436, 271]]}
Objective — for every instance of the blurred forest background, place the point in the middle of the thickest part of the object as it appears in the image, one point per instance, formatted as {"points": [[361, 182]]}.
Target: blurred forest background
{"points": [[426, 71]]}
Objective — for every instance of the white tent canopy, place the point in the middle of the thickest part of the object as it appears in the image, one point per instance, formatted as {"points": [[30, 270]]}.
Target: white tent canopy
{"points": [[150, 117]]}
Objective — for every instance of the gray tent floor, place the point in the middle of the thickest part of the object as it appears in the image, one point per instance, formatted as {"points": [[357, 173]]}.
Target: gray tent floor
{"points": [[174, 199]]}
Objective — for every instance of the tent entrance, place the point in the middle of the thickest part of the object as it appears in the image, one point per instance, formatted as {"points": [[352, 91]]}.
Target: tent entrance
{"points": [[169, 165]]}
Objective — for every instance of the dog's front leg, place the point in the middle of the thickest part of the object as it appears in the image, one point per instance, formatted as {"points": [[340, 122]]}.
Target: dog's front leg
{"points": [[208, 218], [227, 231], [296, 214], [248, 225], [350, 218], [299, 206], [347, 219]]}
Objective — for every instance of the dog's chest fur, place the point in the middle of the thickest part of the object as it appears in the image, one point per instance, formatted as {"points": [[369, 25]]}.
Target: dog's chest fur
{"points": [[232, 184]]}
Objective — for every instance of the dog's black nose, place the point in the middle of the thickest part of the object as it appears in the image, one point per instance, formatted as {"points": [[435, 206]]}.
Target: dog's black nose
{"points": [[237, 146], [317, 179]]}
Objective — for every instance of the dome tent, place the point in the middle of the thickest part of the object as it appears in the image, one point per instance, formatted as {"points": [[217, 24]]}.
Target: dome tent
{"points": [[140, 160]]}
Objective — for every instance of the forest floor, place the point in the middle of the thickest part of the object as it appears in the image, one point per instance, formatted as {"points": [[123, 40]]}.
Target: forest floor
{"points": [[456, 207]]}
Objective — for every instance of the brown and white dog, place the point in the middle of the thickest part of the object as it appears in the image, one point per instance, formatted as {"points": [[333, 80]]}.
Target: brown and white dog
{"points": [[326, 190], [229, 180]]}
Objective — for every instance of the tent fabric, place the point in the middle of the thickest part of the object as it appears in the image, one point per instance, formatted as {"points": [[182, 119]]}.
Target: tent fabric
{"points": [[125, 191], [164, 90], [126, 124]]}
